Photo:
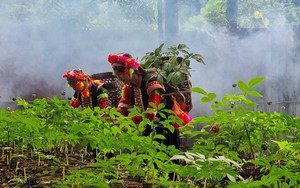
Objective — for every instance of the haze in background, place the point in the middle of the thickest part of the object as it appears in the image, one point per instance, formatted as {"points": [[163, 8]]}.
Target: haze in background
{"points": [[36, 50]]}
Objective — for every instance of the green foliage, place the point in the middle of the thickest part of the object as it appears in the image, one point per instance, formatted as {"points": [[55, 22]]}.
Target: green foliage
{"points": [[88, 15], [249, 148], [215, 12], [172, 65], [250, 14], [83, 14], [209, 170], [261, 13], [96, 176], [140, 11], [251, 136], [207, 96]]}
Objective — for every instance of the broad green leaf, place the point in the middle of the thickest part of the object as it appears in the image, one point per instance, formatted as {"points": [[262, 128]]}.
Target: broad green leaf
{"points": [[174, 79], [157, 62], [167, 66], [254, 93], [211, 96], [161, 106], [205, 99], [160, 79], [170, 77], [163, 115], [163, 74], [199, 90], [198, 58], [149, 76], [242, 86], [186, 72], [106, 131], [184, 51], [153, 105], [159, 49], [159, 136], [251, 104], [283, 144], [255, 81], [181, 46], [22, 102], [115, 129], [159, 163], [195, 133], [188, 63]]}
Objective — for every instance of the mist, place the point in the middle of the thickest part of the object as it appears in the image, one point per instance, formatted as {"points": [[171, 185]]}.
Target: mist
{"points": [[269, 52], [36, 51]]}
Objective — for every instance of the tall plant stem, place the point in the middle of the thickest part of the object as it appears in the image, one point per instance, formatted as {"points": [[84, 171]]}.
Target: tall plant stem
{"points": [[7, 137], [249, 140], [152, 177], [238, 144]]}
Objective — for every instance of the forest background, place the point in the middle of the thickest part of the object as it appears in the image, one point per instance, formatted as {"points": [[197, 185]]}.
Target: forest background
{"points": [[251, 50], [40, 40]]}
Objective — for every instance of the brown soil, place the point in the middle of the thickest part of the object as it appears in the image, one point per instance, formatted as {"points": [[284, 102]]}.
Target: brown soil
{"points": [[29, 170]]}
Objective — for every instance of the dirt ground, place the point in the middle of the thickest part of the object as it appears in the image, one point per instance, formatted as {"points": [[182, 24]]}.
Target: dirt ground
{"points": [[22, 171]]}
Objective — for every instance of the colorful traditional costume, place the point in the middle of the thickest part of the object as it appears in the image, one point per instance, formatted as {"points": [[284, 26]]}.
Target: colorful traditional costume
{"points": [[149, 91], [91, 96]]}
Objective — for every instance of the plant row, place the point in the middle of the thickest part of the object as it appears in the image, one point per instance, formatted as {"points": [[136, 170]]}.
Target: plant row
{"points": [[235, 147]]}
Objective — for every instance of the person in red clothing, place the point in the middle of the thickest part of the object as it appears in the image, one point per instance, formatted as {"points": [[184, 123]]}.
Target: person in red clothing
{"points": [[88, 91], [139, 90]]}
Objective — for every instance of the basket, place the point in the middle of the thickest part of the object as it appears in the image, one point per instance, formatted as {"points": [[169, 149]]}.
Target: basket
{"points": [[186, 90], [113, 86], [183, 93]]}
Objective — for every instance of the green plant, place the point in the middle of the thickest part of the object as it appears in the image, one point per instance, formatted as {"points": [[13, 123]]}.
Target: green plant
{"points": [[208, 171], [250, 135], [249, 149], [171, 66]]}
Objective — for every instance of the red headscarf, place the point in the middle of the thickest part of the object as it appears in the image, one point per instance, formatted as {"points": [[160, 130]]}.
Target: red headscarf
{"points": [[76, 74], [125, 60]]}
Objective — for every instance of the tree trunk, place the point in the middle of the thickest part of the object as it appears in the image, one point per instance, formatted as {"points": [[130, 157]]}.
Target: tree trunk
{"points": [[160, 21], [231, 14], [171, 21], [297, 40]]}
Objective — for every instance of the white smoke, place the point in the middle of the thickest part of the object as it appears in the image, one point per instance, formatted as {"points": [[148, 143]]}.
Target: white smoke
{"points": [[39, 42]]}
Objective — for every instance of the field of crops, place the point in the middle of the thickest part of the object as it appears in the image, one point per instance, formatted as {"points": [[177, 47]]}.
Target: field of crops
{"points": [[48, 143]]}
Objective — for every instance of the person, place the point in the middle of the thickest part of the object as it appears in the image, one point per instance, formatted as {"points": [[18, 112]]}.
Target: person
{"points": [[88, 91], [140, 91]]}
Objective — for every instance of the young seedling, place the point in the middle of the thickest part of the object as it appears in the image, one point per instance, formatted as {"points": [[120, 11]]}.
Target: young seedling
{"points": [[7, 161], [25, 176], [67, 160], [17, 167], [10, 156], [3, 157], [38, 159], [63, 174], [22, 149]]}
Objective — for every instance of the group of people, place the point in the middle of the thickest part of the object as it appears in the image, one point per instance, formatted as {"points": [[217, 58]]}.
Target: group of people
{"points": [[137, 91]]}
